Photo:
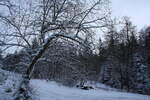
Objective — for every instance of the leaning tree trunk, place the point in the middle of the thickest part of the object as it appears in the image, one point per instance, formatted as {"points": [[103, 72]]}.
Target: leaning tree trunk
{"points": [[22, 92]]}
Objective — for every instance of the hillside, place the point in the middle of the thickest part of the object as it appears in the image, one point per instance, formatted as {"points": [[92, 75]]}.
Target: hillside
{"points": [[52, 91], [8, 84], [48, 90]]}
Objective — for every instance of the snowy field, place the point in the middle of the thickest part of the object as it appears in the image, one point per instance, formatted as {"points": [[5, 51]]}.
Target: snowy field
{"points": [[44, 90]]}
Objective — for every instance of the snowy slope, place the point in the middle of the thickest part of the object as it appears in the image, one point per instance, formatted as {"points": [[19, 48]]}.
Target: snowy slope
{"points": [[44, 90], [8, 83]]}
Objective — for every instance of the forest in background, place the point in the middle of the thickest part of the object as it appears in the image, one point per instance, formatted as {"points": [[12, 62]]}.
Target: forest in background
{"points": [[58, 38]]}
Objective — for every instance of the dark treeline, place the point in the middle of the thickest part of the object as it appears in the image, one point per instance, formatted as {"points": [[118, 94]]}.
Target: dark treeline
{"points": [[121, 60]]}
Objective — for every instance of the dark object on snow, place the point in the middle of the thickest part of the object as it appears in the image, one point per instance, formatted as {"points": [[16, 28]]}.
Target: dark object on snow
{"points": [[85, 87], [8, 90]]}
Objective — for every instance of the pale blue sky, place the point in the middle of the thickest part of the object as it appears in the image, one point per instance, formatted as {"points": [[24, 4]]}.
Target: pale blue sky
{"points": [[137, 10]]}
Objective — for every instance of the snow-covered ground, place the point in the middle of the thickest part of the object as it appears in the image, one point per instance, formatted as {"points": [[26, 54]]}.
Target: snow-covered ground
{"points": [[8, 84], [44, 90]]}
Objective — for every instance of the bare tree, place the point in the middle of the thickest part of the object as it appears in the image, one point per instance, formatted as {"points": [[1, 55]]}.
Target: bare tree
{"points": [[48, 20]]}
